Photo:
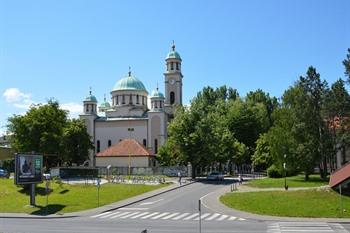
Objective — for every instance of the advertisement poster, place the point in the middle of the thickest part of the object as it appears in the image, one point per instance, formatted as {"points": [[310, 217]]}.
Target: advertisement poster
{"points": [[28, 168]]}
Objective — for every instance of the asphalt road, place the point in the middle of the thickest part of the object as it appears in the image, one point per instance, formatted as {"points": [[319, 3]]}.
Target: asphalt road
{"points": [[175, 211]]}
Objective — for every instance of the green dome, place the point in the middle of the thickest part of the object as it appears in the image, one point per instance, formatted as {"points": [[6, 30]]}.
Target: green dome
{"points": [[173, 54], [91, 98], [105, 105], [129, 83], [157, 93]]}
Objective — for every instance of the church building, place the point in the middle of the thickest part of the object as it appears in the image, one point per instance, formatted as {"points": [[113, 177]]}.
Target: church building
{"points": [[127, 131]]}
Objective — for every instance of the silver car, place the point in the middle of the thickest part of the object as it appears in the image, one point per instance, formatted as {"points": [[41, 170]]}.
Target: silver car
{"points": [[215, 176]]}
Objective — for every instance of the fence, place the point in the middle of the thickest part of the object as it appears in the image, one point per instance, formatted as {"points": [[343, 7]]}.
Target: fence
{"points": [[144, 171]]}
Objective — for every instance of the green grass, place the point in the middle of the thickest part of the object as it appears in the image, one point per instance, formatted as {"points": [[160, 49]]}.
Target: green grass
{"points": [[292, 182], [65, 198], [305, 203]]}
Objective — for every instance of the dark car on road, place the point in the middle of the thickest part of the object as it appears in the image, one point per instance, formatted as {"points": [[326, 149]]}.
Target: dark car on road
{"points": [[4, 173], [215, 176]]}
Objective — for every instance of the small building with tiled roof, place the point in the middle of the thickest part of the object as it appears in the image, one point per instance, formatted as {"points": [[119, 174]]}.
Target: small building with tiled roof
{"points": [[127, 152]]}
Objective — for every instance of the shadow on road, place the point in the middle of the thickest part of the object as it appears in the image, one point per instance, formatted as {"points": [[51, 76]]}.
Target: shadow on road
{"points": [[216, 182], [51, 209]]}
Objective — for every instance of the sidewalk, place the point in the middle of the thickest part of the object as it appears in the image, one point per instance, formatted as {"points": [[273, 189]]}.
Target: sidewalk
{"points": [[109, 207], [212, 202]]}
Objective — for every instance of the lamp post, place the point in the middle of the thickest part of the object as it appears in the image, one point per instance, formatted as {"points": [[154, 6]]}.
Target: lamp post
{"points": [[285, 172], [130, 130]]}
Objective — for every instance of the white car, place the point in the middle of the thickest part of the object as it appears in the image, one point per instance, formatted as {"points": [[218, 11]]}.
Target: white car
{"points": [[215, 176]]}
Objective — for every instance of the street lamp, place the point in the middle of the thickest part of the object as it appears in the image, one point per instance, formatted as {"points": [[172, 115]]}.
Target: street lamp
{"points": [[285, 172], [130, 130]]}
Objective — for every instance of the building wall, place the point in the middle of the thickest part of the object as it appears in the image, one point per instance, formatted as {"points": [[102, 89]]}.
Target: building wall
{"points": [[118, 130], [123, 161]]}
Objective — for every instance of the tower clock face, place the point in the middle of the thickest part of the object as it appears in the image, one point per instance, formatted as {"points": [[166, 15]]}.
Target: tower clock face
{"points": [[172, 81]]}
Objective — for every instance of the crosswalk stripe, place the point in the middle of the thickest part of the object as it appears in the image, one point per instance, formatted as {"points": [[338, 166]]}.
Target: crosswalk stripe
{"points": [[232, 218], [181, 216], [139, 215], [202, 216], [150, 215], [98, 215], [129, 215], [222, 217], [191, 216], [119, 215], [160, 215], [109, 215], [170, 216], [212, 217]]}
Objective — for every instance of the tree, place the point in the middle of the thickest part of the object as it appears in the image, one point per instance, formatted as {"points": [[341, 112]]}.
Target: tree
{"points": [[262, 158], [39, 130], [346, 63], [76, 142]]}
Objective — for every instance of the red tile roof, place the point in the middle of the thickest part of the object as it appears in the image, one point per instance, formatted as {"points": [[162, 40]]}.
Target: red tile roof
{"points": [[340, 176], [125, 148]]}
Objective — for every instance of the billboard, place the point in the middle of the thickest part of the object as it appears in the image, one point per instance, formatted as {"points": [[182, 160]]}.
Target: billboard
{"points": [[28, 168]]}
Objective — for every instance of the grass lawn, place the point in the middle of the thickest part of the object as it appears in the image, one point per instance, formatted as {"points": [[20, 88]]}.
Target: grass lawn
{"points": [[305, 203], [292, 182], [65, 198]]}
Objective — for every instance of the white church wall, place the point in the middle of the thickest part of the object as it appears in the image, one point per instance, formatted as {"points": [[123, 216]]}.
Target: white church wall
{"points": [[122, 161], [118, 130]]}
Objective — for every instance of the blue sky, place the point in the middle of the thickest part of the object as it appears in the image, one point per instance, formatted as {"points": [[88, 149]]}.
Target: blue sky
{"points": [[61, 48]]}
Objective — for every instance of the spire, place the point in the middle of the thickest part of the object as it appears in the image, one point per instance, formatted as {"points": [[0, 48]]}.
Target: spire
{"points": [[104, 98], [157, 86], [173, 47], [90, 91], [129, 71]]}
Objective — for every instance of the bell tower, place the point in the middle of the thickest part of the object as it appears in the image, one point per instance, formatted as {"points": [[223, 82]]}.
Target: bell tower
{"points": [[173, 80]]}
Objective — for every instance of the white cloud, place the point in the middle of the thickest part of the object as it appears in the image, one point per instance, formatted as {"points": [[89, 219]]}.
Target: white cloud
{"points": [[74, 109], [13, 95]]}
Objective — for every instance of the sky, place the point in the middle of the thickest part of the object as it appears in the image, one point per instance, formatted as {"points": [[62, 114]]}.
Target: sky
{"points": [[58, 49]]}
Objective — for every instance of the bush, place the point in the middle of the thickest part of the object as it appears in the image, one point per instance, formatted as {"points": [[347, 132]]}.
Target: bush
{"points": [[274, 172]]}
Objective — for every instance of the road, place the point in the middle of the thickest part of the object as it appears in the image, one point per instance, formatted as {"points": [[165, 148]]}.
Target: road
{"points": [[172, 212]]}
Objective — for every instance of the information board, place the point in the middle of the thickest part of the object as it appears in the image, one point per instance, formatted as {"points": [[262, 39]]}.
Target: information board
{"points": [[28, 168]]}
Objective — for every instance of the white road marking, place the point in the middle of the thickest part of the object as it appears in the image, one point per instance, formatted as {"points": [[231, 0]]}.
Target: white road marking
{"points": [[203, 216], [300, 227], [150, 215], [119, 215], [98, 215], [212, 217], [139, 215], [232, 218], [191, 216], [223, 216], [160, 215], [170, 216], [181, 216], [134, 208], [151, 202], [129, 215], [109, 215]]}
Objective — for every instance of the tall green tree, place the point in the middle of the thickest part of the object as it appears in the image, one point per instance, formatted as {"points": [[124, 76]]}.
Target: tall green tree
{"points": [[346, 63]]}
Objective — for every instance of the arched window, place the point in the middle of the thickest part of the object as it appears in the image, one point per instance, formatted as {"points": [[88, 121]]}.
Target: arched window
{"points": [[130, 99], [172, 66], [137, 99], [143, 100], [87, 108], [160, 104], [117, 100], [172, 97], [145, 142], [109, 143], [177, 66], [155, 146], [98, 146], [123, 99]]}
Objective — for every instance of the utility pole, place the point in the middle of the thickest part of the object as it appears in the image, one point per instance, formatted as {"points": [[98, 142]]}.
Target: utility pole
{"points": [[200, 215]]}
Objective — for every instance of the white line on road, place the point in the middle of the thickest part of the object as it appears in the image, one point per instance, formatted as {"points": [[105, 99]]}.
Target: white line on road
{"points": [[222, 217], [129, 215], [212, 217], [181, 216], [170, 216], [232, 218], [139, 215], [203, 216], [109, 215], [98, 215], [119, 215], [134, 208], [151, 202], [150, 215], [191, 216], [160, 215]]}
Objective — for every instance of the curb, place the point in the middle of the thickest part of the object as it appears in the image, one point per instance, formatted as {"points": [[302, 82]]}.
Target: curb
{"points": [[86, 212]]}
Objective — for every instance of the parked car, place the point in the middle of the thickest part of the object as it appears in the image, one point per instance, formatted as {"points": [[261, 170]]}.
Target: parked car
{"points": [[4, 173], [215, 176]]}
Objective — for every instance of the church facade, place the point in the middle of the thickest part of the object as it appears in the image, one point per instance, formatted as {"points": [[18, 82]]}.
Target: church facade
{"points": [[128, 115]]}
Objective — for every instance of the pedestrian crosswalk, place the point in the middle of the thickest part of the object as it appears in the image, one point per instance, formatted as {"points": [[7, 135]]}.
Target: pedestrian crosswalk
{"points": [[293, 227], [174, 216]]}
